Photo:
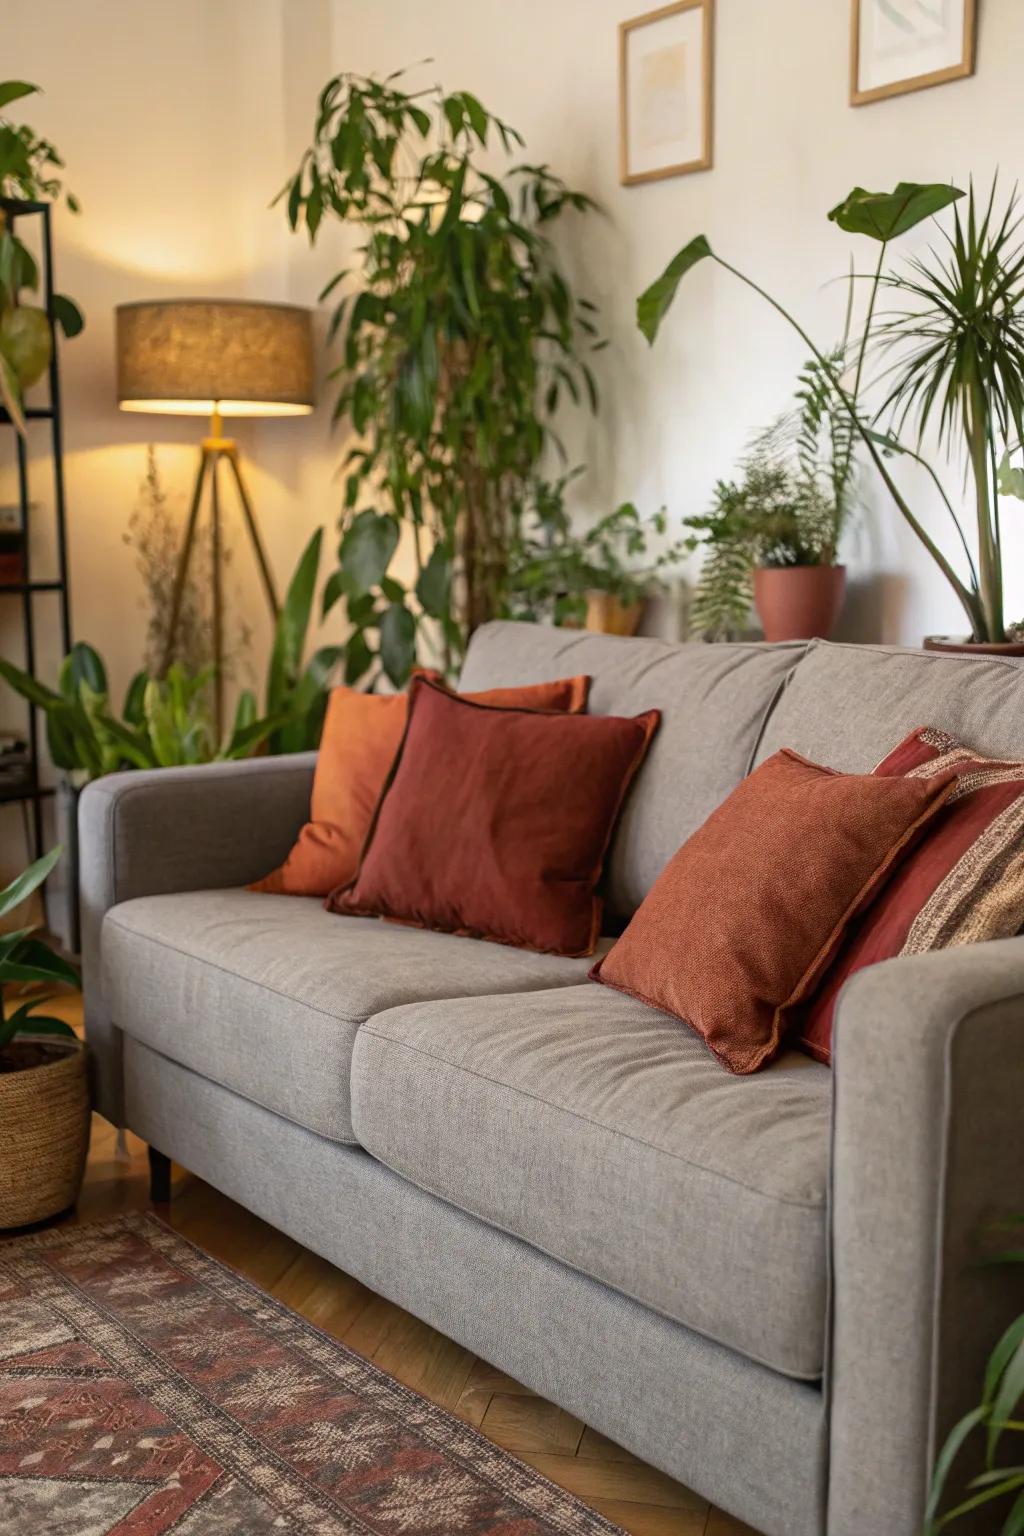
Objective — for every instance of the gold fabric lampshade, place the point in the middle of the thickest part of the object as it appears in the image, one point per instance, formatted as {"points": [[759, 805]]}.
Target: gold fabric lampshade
{"points": [[194, 357]]}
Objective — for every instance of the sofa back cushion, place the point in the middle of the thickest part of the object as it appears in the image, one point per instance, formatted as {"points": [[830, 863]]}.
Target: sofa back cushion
{"points": [[714, 700], [848, 706]]}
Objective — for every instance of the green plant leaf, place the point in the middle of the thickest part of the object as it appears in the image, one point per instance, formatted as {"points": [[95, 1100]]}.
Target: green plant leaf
{"points": [[14, 90], [944, 1462], [655, 301], [358, 658], [433, 589], [292, 626], [1010, 479], [134, 708], [35, 961], [1008, 1394], [28, 1023], [15, 893], [67, 315], [886, 215], [397, 643], [87, 667], [367, 548]]}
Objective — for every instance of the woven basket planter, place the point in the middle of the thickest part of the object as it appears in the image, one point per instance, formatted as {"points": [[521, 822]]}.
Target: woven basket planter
{"points": [[44, 1112]]}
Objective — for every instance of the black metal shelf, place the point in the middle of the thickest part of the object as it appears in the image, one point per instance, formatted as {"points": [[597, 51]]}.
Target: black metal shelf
{"points": [[27, 588]]}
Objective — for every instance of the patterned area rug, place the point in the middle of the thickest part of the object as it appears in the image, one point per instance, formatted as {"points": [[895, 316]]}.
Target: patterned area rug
{"points": [[144, 1389]]}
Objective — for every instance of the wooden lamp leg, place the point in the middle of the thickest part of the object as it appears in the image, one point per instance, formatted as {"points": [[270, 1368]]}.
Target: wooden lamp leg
{"points": [[159, 1177]]}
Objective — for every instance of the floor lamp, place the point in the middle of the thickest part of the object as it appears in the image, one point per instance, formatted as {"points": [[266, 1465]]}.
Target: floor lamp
{"points": [[215, 358]]}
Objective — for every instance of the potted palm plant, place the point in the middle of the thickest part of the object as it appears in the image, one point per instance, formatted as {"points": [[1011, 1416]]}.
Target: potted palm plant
{"points": [[44, 1097], [953, 348]]}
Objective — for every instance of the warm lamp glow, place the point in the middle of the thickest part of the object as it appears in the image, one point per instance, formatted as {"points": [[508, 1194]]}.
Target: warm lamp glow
{"points": [[194, 357]]}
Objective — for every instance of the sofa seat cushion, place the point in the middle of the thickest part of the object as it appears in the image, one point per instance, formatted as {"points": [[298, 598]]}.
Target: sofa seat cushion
{"points": [[606, 1135], [265, 994]]}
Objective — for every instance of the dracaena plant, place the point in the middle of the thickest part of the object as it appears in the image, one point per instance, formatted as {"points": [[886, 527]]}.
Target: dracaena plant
{"points": [[456, 352], [952, 343], [26, 961], [29, 172]]}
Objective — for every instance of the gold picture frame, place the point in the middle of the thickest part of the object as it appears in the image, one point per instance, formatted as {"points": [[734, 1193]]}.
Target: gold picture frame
{"points": [[673, 72], [861, 94]]}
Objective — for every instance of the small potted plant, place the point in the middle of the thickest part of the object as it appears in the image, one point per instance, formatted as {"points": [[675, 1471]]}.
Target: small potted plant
{"points": [[771, 537], [595, 578], [44, 1096]]}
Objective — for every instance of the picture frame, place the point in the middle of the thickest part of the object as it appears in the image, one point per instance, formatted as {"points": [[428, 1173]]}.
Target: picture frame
{"points": [[898, 46], [666, 88]]}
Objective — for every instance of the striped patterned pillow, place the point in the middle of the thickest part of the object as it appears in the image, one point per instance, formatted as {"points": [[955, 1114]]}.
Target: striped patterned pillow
{"points": [[963, 883]]}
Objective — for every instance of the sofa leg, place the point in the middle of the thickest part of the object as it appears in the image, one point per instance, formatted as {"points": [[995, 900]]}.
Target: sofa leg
{"points": [[159, 1177]]}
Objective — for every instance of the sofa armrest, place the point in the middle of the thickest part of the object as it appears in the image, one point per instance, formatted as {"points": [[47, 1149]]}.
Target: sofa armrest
{"points": [[928, 1149], [175, 829]]}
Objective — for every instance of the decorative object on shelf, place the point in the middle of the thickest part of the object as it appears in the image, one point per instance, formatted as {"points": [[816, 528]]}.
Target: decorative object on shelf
{"points": [[666, 90], [903, 45], [1000, 1412], [44, 1096], [457, 352], [772, 537], [953, 348], [561, 574], [29, 182], [216, 358]]}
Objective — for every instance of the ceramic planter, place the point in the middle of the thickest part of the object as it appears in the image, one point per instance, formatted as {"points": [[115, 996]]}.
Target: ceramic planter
{"points": [[799, 602], [44, 1111], [959, 645]]}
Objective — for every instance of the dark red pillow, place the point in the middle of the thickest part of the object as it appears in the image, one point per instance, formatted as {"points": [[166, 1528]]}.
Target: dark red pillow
{"points": [[495, 822], [961, 884]]}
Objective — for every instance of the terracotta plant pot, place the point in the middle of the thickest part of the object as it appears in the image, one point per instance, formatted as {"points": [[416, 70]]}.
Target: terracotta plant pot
{"points": [[609, 616], [799, 602], [960, 646], [44, 1111]]}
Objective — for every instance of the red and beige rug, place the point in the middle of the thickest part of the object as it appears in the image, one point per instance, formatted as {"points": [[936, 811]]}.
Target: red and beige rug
{"points": [[144, 1389]]}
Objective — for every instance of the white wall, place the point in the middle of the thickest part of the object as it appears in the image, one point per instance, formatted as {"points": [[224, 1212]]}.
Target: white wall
{"points": [[180, 120]]}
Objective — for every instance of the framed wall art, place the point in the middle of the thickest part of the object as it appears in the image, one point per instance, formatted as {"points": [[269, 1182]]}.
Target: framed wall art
{"points": [[665, 91], [905, 45]]}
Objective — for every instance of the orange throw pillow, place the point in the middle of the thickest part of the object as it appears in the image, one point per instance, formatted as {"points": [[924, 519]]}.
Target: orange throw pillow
{"points": [[747, 914], [362, 732], [495, 821]]}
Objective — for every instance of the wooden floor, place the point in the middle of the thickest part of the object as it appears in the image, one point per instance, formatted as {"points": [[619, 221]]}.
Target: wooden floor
{"points": [[638, 1498]]}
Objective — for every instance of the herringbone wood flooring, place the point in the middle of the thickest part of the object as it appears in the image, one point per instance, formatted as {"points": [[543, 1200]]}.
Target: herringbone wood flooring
{"points": [[643, 1501]]}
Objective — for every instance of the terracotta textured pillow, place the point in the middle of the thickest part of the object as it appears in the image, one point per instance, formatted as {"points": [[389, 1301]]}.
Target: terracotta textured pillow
{"points": [[495, 821], [362, 732], [963, 883], [746, 915]]}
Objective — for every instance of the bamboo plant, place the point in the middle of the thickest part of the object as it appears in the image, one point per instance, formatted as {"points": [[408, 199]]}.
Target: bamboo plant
{"points": [[953, 349]]}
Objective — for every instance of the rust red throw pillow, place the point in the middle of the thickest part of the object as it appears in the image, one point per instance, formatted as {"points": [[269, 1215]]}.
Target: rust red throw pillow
{"points": [[362, 733], [745, 916], [495, 821], [961, 884]]}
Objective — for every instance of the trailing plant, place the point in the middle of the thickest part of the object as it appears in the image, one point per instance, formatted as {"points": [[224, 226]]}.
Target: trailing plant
{"points": [[554, 565], [457, 351], [26, 961], [164, 723], [788, 507], [956, 348], [29, 172], [1000, 1412]]}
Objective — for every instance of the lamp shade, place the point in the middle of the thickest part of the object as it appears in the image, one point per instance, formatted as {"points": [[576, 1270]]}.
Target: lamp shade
{"points": [[194, 356]]}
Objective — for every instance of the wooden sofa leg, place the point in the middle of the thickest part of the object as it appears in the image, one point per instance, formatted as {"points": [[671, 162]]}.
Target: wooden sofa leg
{"points": [[159, 1177]]}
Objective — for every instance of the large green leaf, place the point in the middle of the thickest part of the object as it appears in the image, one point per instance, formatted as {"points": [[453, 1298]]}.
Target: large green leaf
{"points": [[358, 658], [35, 961], [397, 643], [14, 894], [367, 548], [885, 215], [655, 301], [433, 589], [13, 90], [87, 667], [67, 315], [293, 625]]}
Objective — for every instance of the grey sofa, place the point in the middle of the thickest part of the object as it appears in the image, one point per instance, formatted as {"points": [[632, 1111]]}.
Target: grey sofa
{"points": [[765, 1286]]}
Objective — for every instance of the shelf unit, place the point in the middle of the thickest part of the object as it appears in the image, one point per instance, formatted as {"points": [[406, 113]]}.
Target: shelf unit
{"points": [[28, 589]]}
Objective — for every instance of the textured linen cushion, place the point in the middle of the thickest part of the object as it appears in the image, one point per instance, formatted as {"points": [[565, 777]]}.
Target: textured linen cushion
{"points": [[962, 884], [752, 907], [603, 1134], [265, 994], [495, 822], [362, 733]]}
